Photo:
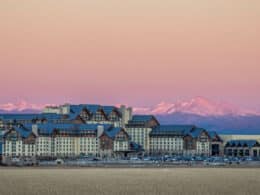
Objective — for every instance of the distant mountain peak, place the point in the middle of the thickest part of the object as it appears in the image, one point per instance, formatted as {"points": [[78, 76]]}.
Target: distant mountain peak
{"points": [[21, 106], [198, 105]]}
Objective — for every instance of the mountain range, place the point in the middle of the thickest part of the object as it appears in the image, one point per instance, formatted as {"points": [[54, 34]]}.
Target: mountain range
{"points": [[219, 116], [213, 115], [198, 106], [21, 107]]}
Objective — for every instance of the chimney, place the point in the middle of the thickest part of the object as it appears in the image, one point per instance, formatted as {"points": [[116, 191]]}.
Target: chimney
{"points": [[35, 129], [100, 130], [126, 114], [65, 109], [130, 113]]}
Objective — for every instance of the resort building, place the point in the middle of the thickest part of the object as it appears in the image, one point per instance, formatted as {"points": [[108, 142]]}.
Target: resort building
{"points": [[92, 114], [1, 144], [167, 139], [241, 148], [76, 114], [184, 140], [72, 131], [217, 146], [18, 142], [139, 128], [236, 136], [197, 142], [114, 142], [7, 120], [49, 141]]}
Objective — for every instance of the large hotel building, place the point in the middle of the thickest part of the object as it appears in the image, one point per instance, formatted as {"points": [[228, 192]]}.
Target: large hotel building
{"points": [[71, 131]]}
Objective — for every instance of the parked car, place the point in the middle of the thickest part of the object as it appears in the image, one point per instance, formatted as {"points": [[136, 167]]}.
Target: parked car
{"points": [[15, 160], [59, 161], [134, 159]]}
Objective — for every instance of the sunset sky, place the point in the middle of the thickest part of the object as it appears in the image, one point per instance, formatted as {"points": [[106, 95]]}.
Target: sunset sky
{"points": [[137, 52]]}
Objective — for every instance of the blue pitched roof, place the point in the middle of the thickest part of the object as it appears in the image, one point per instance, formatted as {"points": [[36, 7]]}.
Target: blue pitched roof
{"points": [[213, 134], [30, 116], [23, 132], [172, 130], [75, 128], [112, 132], [142, 118], [49, 127], [76, 108], [27, 126], [93, 108], [196, 132], [19, 116], [177, 130], [239, 132], [50, 116], [249, 143], [109, 109], [72, 116]]}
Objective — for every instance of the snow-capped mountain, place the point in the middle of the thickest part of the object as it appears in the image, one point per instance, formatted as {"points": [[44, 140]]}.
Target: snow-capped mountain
{"points": [[21, 107], [218, 116], [198, 106]]}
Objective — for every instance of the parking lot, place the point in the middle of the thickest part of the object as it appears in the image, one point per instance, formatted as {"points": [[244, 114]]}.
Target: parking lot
{"points": [[155, 161]]}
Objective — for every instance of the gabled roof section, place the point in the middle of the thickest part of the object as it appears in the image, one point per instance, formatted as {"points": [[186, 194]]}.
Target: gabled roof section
{"points": [[196, 132], [72, 116], [142, 120], [23, 132], [92, 108], [214, 136], [76, 109], [109, 109], [112, 132], [242, 143]]}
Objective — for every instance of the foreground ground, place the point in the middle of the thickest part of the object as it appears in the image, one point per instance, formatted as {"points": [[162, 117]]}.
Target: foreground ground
{"points": [[33, 181]]}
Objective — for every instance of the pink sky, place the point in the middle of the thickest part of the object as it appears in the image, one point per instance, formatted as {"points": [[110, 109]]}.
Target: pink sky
{"points": [[137, 52]]}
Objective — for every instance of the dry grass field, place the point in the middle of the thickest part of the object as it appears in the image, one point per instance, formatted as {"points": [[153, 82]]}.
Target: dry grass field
{"points": [[129, 181]]}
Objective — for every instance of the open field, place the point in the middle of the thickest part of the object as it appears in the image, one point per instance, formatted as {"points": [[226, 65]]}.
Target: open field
{"points": [[114, 181]]}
